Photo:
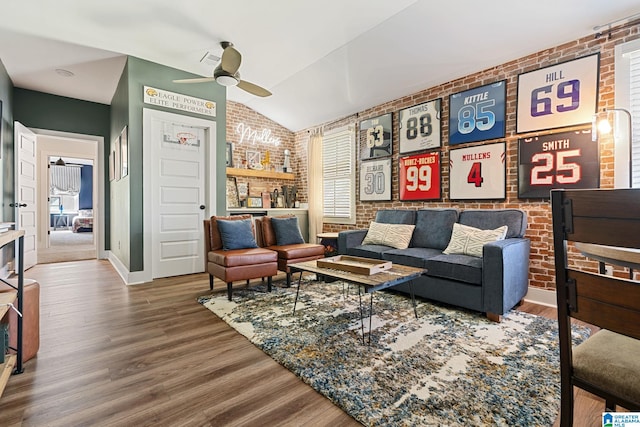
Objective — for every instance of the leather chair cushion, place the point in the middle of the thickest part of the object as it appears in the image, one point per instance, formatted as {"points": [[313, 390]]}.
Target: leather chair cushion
{"points": [[299, 250], [214, 233], [239, 257]]}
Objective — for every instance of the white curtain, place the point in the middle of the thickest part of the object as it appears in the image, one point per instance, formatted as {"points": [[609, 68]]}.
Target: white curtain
{"points": [[65, 180], [315, 184]]}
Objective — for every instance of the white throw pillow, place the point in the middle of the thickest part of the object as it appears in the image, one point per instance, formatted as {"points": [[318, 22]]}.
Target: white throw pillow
{"points": [[470, 240], [395, 235]]}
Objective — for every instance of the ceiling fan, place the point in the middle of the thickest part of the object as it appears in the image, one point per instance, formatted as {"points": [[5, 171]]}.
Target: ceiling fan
{"points": [[226, 73]]}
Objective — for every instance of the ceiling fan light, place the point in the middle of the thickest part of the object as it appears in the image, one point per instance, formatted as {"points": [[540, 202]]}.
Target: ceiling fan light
{"points": [[227, 80]]}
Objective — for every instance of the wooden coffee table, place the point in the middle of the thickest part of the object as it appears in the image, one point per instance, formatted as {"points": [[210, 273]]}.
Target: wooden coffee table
{"points": [[396, 275]]}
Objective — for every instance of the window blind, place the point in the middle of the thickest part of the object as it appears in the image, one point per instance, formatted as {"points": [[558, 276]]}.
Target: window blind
{"points": [[634, 109], [338, 169], [65, 180]]}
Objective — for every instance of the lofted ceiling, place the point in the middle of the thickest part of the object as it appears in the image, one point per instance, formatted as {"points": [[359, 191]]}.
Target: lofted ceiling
{"points": [[322, 60]]}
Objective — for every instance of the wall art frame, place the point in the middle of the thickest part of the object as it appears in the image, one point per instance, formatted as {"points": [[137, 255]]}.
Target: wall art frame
{"points": [[420, 127], [116, 159], [560, 95], [419, 177], [253, 158], [1, 130], [229, 154], [375, 180], [478, 114], [232, 193], [478, 172], [568, 160], [124, 152], [376, 137], [254, 202]]}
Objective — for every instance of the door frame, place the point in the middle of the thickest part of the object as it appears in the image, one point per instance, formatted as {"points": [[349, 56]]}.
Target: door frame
{"points": [[98, 182], [210, 141]]}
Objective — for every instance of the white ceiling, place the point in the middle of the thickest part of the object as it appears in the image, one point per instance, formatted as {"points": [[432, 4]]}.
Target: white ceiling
{"points": [[322, 60]]}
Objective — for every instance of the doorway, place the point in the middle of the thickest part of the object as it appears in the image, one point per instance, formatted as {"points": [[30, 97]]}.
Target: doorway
{"points": [[71, 207], [180, 181], [69, 211]]}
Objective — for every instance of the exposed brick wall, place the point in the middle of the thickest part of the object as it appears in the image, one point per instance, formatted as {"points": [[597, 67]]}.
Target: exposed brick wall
{"points": [[539, 213], [238, 113]]}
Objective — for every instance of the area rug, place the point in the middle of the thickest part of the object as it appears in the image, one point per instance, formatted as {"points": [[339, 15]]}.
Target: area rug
{"points": [[448, 367]]}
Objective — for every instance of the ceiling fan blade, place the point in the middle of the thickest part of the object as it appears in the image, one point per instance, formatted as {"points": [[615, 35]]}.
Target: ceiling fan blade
{"points": [[198, 80], [253, 88], [231, 60]]}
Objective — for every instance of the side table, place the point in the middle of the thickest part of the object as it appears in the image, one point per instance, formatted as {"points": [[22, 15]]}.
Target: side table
{"points": [[60, 221], [330, 243]]}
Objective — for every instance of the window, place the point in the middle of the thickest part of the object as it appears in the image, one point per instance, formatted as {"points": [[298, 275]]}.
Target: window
{"points": [[339, 176], [54, 204], [627, 96]]}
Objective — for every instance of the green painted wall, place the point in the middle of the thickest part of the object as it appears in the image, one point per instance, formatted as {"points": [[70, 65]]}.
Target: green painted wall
{"points": [[52, 112], [140, 73], [6, 136], [45, 111]]}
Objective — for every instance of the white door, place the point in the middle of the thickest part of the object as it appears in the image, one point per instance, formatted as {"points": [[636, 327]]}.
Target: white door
{"points": [[25, 201], [179, 156]]}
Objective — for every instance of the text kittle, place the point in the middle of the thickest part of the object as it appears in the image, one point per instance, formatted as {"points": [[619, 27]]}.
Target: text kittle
{"points": [[475, 98], [560, 144]]}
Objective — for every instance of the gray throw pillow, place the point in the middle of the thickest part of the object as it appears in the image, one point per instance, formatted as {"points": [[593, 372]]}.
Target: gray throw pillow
{"points": [[287, 231], [236, 234]]}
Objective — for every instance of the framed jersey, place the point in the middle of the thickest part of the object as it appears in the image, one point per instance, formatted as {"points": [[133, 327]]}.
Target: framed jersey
{"points": [[420, 127], [419, 177], [557, 96], [478, 114], [562, 160], [376, 137], [478, 172], [375, 180]]}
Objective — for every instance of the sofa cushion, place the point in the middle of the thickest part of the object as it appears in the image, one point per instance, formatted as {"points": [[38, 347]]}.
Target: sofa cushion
{"points": [[396, 216], [287, 231], [487, 219], [433, 228], [236, 234], [470, 240], [463, 268], [395, 235], [369, 251], [413, 257]]}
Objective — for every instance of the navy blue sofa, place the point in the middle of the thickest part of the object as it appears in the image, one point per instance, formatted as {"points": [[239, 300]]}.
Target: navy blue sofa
{"points": [[492, 284]]}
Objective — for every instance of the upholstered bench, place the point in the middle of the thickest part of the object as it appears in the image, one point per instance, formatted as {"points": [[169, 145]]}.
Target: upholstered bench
{"points": [[30, 320]]}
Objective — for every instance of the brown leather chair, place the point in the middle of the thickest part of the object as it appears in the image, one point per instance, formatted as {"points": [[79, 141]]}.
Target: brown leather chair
{"points": [[236, 264], [287, 254]]}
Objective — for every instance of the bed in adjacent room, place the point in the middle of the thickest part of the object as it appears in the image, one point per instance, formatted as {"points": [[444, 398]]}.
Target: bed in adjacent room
{"points": [[83, 222]]}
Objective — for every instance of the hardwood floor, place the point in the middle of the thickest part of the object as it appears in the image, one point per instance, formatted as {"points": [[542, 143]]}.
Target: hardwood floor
{"points": [[150, 355]]}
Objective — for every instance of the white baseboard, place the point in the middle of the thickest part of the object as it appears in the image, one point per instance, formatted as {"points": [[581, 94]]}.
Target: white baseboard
{"points": [[546, 297], [129, 278]]}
